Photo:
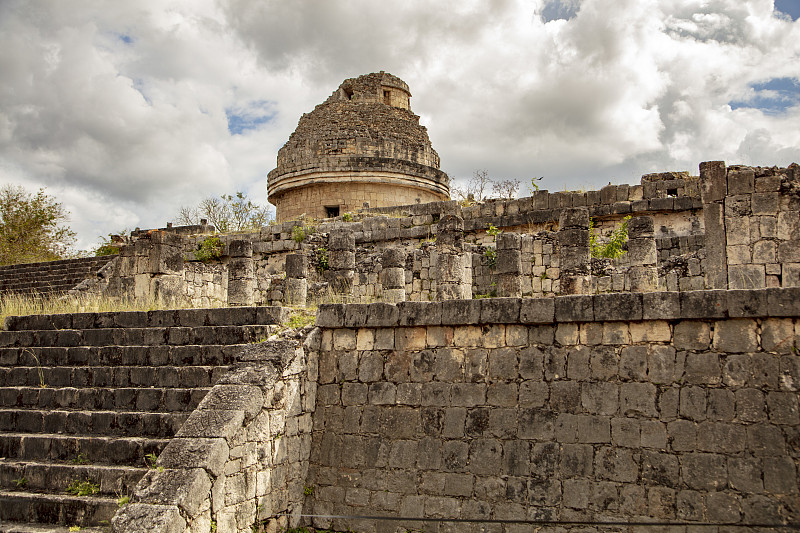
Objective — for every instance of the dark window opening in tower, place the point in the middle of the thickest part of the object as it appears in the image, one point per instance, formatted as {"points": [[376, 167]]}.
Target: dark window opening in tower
{"points": [[331, 211], [348, 92], [387, 97]]}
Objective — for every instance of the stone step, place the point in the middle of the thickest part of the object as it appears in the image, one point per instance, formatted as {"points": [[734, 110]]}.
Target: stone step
{"points": [[223, 316], [120, 336], [107, 450], [209, 355], [64, 509], [48, 477], [116, 423], [111, 376], [19, 527], [142, 399]]}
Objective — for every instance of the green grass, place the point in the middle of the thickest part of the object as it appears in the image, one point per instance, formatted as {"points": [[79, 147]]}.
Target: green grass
{"points": [[82, 488]]}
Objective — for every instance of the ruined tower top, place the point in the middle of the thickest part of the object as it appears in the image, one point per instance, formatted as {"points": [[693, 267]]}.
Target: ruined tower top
{"points": [[376, 87], [361, 147]]}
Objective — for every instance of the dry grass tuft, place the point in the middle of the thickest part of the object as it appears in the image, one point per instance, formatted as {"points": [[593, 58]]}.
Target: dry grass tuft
{"points": [[36, 304]]}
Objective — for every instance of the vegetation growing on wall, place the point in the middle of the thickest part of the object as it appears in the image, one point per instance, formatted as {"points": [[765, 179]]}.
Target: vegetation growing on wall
{"points": [[617, 243], [209, 250]]}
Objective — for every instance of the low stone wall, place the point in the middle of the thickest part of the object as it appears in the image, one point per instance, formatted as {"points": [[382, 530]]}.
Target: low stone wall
{"points": [[241, 458], [736, 227], [656, 406]]}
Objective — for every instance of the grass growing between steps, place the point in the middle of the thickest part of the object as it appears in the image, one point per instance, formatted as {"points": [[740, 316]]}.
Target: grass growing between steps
{"points": [[28, 304]]}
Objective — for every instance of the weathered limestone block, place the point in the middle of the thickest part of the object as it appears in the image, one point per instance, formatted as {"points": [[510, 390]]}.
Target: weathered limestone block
{"points": [[393, 258], [341, 260], [241, 292], [342, 239], [186, 488], [296, 266], [295, 291], [574, 252], [147, 518], [642, 254], [241, 279], [714, 189], [450, 234], [393, 278], [240, 248], [341, 281], [746, 276]]}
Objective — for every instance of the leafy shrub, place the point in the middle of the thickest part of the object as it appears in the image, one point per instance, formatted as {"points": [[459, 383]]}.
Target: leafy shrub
{"points": [[491, 257], [299, 233], [347, 217], [321, 256], [210, 249], [616, 246]]}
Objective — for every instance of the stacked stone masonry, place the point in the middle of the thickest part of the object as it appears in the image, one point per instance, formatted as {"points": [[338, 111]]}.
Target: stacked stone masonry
{"points": [[94, 398], [619, 407], [690, 244], [676, 406], [362, 146]]}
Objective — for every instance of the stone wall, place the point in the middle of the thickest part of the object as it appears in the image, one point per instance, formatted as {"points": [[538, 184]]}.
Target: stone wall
{"points": [[241, 458], [340, 191], [696, 244], [206, 284], [656, 406]]}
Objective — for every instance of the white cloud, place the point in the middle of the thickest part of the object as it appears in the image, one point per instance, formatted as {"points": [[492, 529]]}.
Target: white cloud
{"points": [[123, 109]]}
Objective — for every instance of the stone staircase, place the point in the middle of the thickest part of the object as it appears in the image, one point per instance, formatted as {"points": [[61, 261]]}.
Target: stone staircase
{"points": [[87, 401], [49, 277]]}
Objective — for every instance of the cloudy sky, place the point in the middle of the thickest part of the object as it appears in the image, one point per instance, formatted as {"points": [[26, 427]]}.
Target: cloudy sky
{"points": [[126, 110]]}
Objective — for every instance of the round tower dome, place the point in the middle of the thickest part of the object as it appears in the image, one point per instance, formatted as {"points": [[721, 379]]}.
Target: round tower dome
{"points": [[362, 147]]}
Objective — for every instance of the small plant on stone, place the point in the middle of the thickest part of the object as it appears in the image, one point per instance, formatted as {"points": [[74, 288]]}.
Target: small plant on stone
{"points": [[347, 217], [299, 233], [82, 488], [308, 491], [491, 257], [301, 318], [493, 231], [74, 528], [209, 250], [39, 370], [616, 246], [123, 500], [213, 526], [20, 482], [150, 461], [321, 257], [81, 459], [534, 185]]}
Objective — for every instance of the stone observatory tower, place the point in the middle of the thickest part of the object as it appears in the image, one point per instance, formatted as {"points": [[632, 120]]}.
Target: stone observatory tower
{"points": [[362, 147]]}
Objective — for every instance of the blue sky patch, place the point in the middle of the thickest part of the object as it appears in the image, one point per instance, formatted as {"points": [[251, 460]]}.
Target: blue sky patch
{"points": [[560, 9], [788, 7], [251, 117], [127, 39], [772, 97]]}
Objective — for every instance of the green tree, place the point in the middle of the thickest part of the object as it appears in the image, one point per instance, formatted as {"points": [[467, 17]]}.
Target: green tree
{"points": [[226, 213], [32, 227]]}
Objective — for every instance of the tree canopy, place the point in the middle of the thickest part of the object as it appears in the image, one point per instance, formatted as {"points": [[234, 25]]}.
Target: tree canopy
{"points": [[32, 227], [227, 213]]}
